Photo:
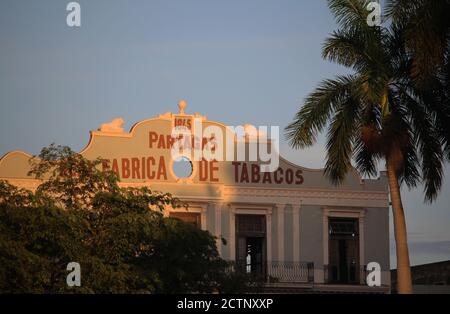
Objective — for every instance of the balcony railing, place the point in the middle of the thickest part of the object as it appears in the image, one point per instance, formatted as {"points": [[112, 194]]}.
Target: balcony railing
{"points": [[291, 272], [351, 274], [279, 271]]}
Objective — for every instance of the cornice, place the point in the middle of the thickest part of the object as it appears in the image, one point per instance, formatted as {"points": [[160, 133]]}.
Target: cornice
{"points": [[303, 193]]}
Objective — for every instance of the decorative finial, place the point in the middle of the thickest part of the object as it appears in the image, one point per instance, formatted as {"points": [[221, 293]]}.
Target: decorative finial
{"points": [[182, 105], [115, 126]]}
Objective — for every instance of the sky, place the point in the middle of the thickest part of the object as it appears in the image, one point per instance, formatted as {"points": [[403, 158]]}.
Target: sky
{"points": [[235, 61]]}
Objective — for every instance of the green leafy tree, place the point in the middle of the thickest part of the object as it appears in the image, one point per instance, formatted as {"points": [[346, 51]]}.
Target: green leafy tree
{"points": [[118, 235], [376, 113], [70, 179]]}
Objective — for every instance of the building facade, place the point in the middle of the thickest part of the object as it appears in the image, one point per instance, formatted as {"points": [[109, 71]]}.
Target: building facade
{"points": [[291, 225]]}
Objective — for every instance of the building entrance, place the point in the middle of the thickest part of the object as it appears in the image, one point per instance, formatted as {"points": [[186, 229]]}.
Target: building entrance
{"points": [[343, 247], [251, 243]]}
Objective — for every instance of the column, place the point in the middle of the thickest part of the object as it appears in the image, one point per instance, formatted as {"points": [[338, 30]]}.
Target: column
{"points": [[325, 235], [232, 234], [296, 231], [203, 210], [269, 235], [280, 231], [218, 225], [361, 243]]}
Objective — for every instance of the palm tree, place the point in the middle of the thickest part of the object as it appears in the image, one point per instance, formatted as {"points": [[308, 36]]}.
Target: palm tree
{"points": [[376, 113]]}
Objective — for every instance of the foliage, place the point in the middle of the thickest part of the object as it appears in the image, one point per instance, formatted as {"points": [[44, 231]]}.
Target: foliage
{"points": [[426, 26], [119, 236], [377, 112], [425, 29]]}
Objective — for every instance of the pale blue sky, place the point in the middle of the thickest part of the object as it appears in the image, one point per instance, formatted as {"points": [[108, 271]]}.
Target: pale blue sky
{"points": [[235, 61]]}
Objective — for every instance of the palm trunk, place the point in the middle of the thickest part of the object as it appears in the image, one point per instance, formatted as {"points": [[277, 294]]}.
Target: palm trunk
{"points": [[404, 284]]}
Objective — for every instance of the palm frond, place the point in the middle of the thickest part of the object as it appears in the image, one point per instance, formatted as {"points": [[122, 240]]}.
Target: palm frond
{"points": [[428, 141], [347, 48], [341, 135], [398, 10], [409, 171], [365, 159], [350, 13], [426, 25], [311, 119]]}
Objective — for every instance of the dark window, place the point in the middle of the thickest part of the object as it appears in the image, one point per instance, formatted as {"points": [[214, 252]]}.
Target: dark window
{"points": [[190, 218], [251, 224], [346, 227]]}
